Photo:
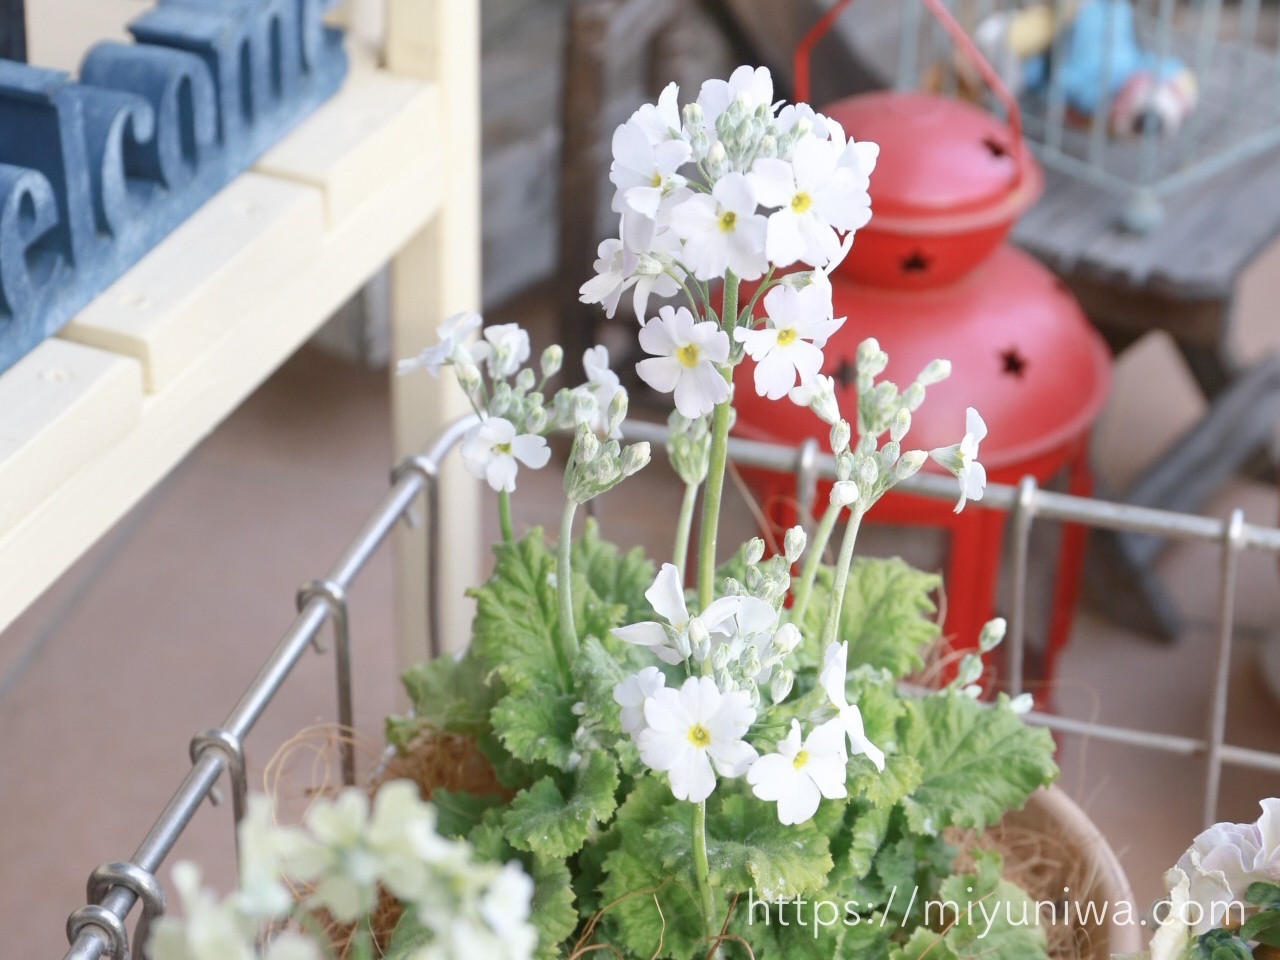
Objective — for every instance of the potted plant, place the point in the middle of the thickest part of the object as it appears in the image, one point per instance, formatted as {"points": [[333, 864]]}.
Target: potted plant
{"points": [[731, 770]]}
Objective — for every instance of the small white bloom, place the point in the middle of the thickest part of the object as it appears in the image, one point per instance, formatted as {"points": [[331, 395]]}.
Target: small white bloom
{"points": [[264, 851], [208, 930], [691, 729], [753, 85], [799, 775], [819, 395], [1171, 940], [339, 862], [790, 347], [670, 642], [491, 450], [832, 678], [640, 258], [722, 231], [685, 355], [844, 492], [644, 172], [793, 114], [661, 121], [631, 694], [453, 335], [1224, 860], [603, 384], [506, 904], [402, 836], [815, 197], [962, 459], [505, 347], [289, 945]]}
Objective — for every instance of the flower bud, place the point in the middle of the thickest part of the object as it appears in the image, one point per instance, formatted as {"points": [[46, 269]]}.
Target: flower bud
{"points": [[786, 639], [587, 446], [682, 643], [617, 411], [793, 544], [725, 682], [535, 418], [699, 640], [888, 456], [781, 684], [584, 406], [692, 113], [525, 380], [819, 395], [840, 434], [754, 579], [468, 375], [720, 657], [992, 634], [900, 424], [935, 372], [912, 397], [1022, 703], [717, 160], [845, 466], [866, 446], [768, 146], [909, 465], [969, 671], [501, 402], [635, 458], [868, 472], [844, 492], [648, 266], [750, 662], [552, 360], [972, 691], [754, 551]]}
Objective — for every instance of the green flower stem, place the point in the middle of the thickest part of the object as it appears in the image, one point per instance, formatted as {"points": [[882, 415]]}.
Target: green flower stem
{"points": [[701, 869], [809, 572], [684, 526], [504, 516], [832, 626], [564, 589], [711, 502]]}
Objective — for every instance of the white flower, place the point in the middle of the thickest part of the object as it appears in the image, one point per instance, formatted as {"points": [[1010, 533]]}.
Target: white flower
{"points": [[631, 694], [453, 333], [505, 907], [962, 459], [640, 258], [819, 395], [289, 945], [402, 835], [793, 114], [338, 861], [816, 196], [265, 848], [753, 85], [602, 383], [670, 642], [798, 775], [684, 360], [751, 624], [1171, 940], [491, 450], [832, 678], [661, 121], [722, 231], [790, 347], [208, 930], [505, 347], [692, 728], [643, 171], [1222, 862], [860, 156]]}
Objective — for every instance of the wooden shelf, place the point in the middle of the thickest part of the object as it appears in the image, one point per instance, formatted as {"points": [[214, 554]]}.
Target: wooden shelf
{"points": [[91, 420]]}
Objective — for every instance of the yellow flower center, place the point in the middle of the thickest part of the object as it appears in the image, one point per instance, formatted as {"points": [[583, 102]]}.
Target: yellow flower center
{"points": [[502, 448], [801, 759], [728, 220], [699, 736], [801, 202], [655, 180], [688, 355], [786, 337]]}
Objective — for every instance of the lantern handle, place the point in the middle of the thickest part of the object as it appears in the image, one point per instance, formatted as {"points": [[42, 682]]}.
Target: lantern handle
{"points": [[1013, 116]]}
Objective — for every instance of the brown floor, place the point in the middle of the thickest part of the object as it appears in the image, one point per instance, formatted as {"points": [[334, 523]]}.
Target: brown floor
{"points": [[154, 635]]}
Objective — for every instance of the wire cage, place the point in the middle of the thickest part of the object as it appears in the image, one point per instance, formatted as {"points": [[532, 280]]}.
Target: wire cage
{"points": [[99, 929], [1140, 97]]}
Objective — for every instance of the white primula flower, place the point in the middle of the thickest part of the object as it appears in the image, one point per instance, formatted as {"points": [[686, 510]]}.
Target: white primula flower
{"points": [[492, 450], [722, 231], [691, 729], [208, 929], [505, 347], [402, 835], [751, 624], [1171, 940], [505, 907], [799, 775], [670, 641], [661, 121], [819, 395], [790, 347], [962, 459], [640, 258], [753, 84], [1224, 860], [815, 196], [860, 156], [832, 678], [685, 355], [644, 172], [339, 863], [265, 848], [603, 384], [631, 694], [453, 336], [793, 114]]}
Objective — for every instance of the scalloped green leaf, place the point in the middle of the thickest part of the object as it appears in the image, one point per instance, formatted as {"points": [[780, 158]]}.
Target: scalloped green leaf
{"points": [[614, 577], [552, 823]]}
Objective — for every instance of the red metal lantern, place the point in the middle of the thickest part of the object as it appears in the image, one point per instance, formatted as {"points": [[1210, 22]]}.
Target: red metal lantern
{"points": [[930, 277]]}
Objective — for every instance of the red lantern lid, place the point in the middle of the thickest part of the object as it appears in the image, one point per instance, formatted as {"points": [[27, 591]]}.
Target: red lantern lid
{"points": [[945, 166]]}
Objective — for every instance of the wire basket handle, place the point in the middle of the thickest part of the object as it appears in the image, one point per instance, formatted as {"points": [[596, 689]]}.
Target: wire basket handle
{"points": [[962, 40]]}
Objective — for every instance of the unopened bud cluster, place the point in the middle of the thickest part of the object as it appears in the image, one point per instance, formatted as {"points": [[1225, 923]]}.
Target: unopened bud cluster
{"points": [[597, 466]]}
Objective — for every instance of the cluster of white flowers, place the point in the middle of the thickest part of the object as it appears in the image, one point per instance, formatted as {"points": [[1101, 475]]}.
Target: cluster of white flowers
{"points": [[1207, 886], [697, 731], [342, 855]]}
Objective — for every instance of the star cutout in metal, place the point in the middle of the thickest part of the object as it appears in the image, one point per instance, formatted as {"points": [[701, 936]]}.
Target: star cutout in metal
{"points": [[846, 374], [915, 262], [995, 147], [1015, 364]]}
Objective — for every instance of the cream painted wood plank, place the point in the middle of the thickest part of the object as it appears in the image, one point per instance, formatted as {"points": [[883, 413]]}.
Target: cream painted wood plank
{"points": [[434, 276], [174, 420], [60, 31], [184, 295], [373, 129], [61, 406]]}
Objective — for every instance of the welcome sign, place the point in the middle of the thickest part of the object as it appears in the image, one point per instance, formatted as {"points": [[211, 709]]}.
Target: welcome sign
{"points": [[95, 173]]}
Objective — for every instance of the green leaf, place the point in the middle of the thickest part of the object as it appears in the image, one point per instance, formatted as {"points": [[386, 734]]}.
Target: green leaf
{"points": [[887, 614], [978, 761], [552, 911], [870, 827], [901, 775], [546, 821], [537, 725], [409, 936], [614, 577], [595, 673], [1263, 894], [458, 813], [996, 920], [449, 694], [1263, 927], [924, 943], [748, 849]]}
